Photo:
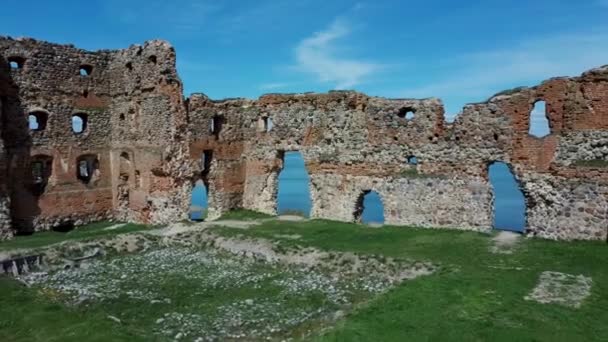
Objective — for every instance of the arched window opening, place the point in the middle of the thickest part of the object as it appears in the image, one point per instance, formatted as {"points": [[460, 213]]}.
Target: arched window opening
{"points": [[87, 169], [509, 201], [129, 66], [293, 195], [16, 62], [85, 93], [122, 117], [152, 59], [215, 127], [79, 122], [369, 208], [199, 204], [37, 120], [42, 169], [86, 70], [406, 113], [539, 122], [412, 160]]}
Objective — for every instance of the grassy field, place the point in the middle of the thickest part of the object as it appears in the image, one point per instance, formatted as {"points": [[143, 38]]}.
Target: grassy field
{"points": [[476, 294]]}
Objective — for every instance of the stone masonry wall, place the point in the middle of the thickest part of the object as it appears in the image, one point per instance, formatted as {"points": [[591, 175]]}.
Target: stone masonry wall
{"points": [[352, 144], [131, 101], [152, 146]]}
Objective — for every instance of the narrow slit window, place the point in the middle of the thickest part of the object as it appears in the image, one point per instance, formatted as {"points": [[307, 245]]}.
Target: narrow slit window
{"points": [[539, 123], [42, 168]]}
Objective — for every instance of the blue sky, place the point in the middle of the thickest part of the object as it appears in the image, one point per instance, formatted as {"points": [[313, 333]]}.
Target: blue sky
{"points": [[461, 52]]}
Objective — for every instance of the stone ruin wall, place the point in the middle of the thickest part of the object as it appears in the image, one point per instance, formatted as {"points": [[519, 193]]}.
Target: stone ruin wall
{"points": [[132, 101], [150, 143], [352, 143]]}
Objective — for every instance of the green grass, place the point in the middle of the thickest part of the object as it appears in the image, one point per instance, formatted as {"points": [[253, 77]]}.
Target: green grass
{"points": [[244, 215], [89, 231], [592, 163], [29, 315], [476, 295]]}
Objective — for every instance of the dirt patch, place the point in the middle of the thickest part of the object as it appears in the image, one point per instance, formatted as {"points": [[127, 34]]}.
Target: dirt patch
{"points": [[291, 218], [505, 242], [288, 236], [561, 288]]}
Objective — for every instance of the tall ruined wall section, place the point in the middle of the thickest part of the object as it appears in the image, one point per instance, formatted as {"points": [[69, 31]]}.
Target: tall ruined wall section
{"points": [[352, 144], [149, 135], [6, 90], [564, 176], [143, 147], [107, 91]]}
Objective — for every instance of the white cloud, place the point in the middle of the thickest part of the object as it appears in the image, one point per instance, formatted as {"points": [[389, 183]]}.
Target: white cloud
{"points": [[481, 74], [272, 86], [317, 55]]}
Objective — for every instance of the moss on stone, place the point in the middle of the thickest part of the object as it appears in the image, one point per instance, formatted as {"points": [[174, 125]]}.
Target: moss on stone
{"points": [[592, 163]]}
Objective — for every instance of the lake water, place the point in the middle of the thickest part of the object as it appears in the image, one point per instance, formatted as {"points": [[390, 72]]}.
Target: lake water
{"points": [[294, 195]]}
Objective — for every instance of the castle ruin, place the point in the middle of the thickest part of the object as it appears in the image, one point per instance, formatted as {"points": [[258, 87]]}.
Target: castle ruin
{"points": [[142, 146]]}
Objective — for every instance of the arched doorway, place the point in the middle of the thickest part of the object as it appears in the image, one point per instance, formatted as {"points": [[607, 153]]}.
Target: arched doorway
{"points": [[369, 208], [293, 195], [509, 201], [199, 202]]}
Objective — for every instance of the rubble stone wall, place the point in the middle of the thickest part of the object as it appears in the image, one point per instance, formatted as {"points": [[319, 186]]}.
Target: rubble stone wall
{"points": [[153, 146], [132, 105], [352, 144]]}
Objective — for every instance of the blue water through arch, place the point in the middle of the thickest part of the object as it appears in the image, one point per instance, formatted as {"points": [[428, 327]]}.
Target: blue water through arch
{"points": [[294, 194], [199, 203], [373, 209], [509, 201]]}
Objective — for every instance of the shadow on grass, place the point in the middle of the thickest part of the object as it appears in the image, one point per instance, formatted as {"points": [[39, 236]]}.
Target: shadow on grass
{"points": [[92, 230]]}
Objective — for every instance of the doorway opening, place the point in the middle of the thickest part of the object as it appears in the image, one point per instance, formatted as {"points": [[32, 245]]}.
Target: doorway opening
{"points": [[509, 201], [369, 208], [294, 193], [199, 203]]}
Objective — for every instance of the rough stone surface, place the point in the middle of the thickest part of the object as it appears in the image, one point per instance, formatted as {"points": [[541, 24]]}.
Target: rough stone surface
{"points": [[152, 146], [135, 120]]}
